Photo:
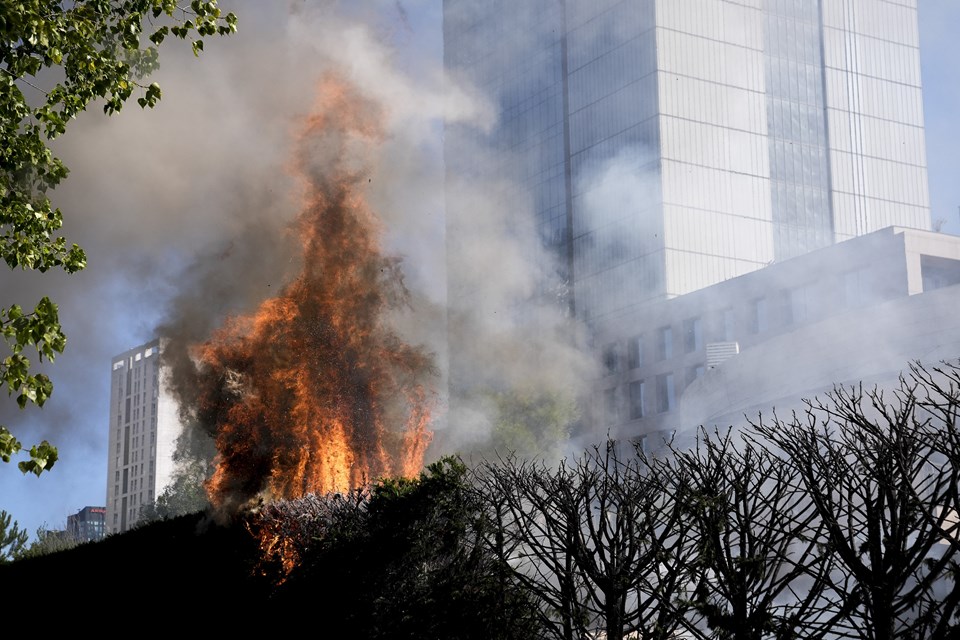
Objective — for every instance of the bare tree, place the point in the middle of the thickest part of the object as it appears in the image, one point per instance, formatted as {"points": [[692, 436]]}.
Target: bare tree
{"points": [[867, 461], [596, 539], [756, 562], [530, 535]]}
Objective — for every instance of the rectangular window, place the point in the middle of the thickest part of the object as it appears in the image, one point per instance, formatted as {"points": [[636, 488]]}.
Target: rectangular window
{"points": [[692, 335], [665, 343], [611, 407], [637, 391], [694, 372], [798, 305], [728, 325], [635, 352], [852, 288], [788, 306], [759, 315], [611, 359], [666, 396]]}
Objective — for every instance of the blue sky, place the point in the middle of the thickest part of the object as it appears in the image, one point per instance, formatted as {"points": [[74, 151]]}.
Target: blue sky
{"points": [[940, 65], [145, 188]]}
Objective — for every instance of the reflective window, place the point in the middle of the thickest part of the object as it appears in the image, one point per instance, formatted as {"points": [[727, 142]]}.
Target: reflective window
{"points": [[692, 335], [666, 396], [611, 406], [611, 358], [635, 352], [759, 315], [637, 391], [728, 325], [664, 343]]}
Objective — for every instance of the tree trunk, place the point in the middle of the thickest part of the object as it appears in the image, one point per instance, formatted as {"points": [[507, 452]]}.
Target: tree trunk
{"points": [[613, 612]]}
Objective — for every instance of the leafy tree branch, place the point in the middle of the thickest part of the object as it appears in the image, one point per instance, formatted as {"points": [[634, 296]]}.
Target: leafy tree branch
{"points": [[66, 55]]}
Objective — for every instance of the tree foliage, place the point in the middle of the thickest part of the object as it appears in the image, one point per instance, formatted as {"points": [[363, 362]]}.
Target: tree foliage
{"points": [[400, 560], [48, 541], [193, 465], [755, 565], [56, 58], [13, 539], [531, 422]]}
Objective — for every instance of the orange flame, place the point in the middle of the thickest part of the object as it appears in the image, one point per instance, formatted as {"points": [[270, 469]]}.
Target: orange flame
{"points": [[314, 393]]}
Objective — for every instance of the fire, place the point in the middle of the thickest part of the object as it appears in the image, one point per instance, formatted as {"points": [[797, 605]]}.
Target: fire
{"points": [[314, 392]]}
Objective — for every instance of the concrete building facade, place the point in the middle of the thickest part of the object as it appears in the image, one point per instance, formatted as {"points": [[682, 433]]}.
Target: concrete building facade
{"points": [[857, 311], [668, 145], [144, 426]]}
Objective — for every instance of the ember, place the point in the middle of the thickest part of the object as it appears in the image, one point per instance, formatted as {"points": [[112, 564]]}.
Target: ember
{"points": [[314, 392]]}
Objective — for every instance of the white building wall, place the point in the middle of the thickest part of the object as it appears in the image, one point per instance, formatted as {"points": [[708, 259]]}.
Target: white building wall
{"points": [[168, 430], [713, 142], [875, 115], [858, 309]]}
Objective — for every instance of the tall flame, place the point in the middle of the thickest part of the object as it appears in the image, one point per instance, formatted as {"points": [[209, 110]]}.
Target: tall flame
{"points": [[314, 392]]}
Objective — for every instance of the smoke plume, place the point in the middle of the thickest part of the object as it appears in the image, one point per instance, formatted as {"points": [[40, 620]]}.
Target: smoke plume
{"points": [[314, 392]]}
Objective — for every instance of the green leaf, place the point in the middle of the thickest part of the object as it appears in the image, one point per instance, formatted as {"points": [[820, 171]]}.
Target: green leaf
{"points": [[42, 458], [93, 51]]}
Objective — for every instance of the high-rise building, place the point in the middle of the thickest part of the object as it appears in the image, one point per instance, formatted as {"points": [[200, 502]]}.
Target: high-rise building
{"points": [[87, 525], [668, 145], [144, 426]]}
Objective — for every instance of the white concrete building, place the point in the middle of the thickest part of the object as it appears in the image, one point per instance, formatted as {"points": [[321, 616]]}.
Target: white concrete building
{"points": [[144, 427], [860, 310]]}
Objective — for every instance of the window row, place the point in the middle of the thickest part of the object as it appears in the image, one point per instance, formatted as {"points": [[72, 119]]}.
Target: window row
{"points": [[662, 345], [634, 402], [784, 308]]}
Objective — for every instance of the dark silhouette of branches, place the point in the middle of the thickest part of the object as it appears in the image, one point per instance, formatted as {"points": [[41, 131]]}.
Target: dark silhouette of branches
{"points": [[757, 561], [596, 539], [871, 463]]}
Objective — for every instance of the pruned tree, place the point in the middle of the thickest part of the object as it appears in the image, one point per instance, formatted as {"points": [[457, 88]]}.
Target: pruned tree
{"points": [[595, 539], [534, 539], [757, 563], [867, 461], [938, 394]]}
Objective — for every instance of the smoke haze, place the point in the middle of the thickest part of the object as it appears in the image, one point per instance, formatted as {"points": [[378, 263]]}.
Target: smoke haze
{"points": [[185, 214]]}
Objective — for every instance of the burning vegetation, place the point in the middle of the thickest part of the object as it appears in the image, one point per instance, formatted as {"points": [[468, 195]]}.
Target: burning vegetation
{"points": [[314, 392]]}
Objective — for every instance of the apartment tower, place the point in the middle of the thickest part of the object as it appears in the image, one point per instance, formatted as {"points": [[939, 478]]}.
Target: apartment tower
{"points": [[143, 431]]}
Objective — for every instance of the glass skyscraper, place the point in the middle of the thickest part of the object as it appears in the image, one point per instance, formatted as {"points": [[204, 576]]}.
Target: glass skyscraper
{"points": [[667, 145]]}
